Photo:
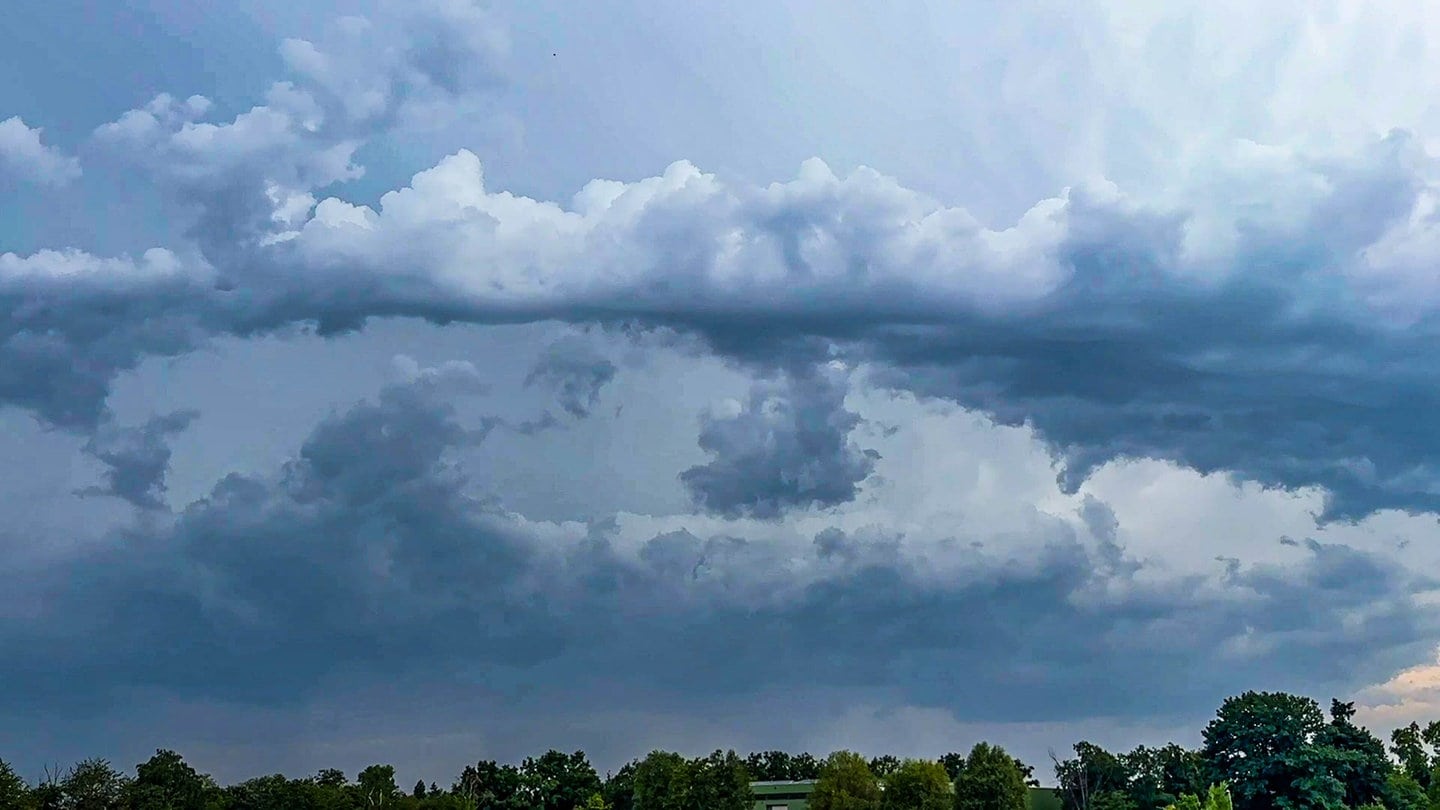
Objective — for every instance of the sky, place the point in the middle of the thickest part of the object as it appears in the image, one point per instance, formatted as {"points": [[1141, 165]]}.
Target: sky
{"points": [[426, 382]]}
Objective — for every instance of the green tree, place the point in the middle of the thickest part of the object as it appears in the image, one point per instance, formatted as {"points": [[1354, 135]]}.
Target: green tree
{"points": [[917, 784], [492, 786], [1159, 776], [1258, 743], [1402, 792], [661, 782], [883, 766], [558, 781], [14, 793], [619, 789], [167, 782], [1094, 779], [953, 763], [419, 790], [93, 785], [1217, 797], [376, 786], [719, 782], [990, 780], [1416, 747], [1354, 756], [780, 766], [846, 783]]}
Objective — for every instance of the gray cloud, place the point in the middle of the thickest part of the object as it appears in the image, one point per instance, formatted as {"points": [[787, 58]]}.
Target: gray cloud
{"points": [[788, 447], [575, 371], [370, 557], [1263, 342], [137, 459], [1100, 327]]}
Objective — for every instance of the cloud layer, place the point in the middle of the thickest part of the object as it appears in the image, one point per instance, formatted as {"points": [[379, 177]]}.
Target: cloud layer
{"points": [[1048, 470]]}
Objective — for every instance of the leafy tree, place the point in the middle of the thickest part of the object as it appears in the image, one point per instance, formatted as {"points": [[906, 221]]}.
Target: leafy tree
{"points": [[1258, 744], [845, 783], [883, 766], [619, 788], [1217, 797], [1094, 779], [1353, 756], [1402, 792], [719, 782], [419, 790], [558, 781], [167, 782], [278, 793], [14, 793], [93, 785], [780, 766], [953, 763], [661, 782], [804, 765], [1411, 745], [376, 786], [491, 785], [917, 784], [1112, 800], [1159, 776], [991, 780]]}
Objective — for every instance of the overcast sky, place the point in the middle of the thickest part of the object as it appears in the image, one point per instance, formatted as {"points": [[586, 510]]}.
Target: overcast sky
{"points": [[422, 382]]}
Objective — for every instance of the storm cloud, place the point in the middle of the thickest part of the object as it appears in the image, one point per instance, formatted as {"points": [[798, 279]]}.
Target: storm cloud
{"points": [[1045, 453]]}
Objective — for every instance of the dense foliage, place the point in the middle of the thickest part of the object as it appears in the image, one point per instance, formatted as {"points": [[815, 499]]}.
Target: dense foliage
{"points": [[1262, 751]]}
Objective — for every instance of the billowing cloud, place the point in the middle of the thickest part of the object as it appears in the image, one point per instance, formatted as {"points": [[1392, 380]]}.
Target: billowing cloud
{"points": [[1117, 328], [1152, 368], [137, 459], [787, 446], [372, 553], [23, 155], [576, 373]]}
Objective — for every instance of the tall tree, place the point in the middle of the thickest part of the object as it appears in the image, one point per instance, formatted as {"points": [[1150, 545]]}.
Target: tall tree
{"points": [[619, 788], [662, 782], [953, 763], [14, 793], [167, 782], [917, 784], [990, 780], [1403, 793], [884, 765], [559, 781], [376, 786], [1356, 757], [1263, 744], [491, 785], [1418, 749], [93, 785], [1094, 779], [845, 783], [720, 782]]}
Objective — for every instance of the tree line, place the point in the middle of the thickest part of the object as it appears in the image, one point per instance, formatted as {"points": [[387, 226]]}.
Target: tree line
{"points": [[1261, 751]]}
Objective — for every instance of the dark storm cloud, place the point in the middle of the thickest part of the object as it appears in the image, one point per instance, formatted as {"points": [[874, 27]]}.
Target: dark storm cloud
{"points": [[575, 372], [788, 447], [137, 459], [1093, 318], [1086, 321], [368, 557]]}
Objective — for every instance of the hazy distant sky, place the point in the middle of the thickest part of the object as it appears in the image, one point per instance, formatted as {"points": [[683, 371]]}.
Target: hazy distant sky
{"points": [[419, 382]]}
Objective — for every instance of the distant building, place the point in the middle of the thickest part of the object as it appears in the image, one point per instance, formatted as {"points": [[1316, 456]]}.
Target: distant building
{"points": [[782, 795], [796, 796]]}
